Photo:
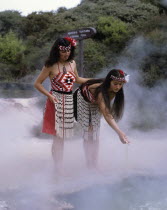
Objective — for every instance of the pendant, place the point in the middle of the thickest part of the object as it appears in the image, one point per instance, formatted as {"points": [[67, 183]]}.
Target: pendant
{"points": [[64, 70]]}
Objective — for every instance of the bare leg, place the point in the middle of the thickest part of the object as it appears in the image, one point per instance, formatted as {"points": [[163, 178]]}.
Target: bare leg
{"points": [[91, 148], [57, 152]]}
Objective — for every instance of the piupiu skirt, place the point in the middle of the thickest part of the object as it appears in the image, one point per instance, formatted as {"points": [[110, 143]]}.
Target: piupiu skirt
{"points": [[87, 115], [59, 116]]}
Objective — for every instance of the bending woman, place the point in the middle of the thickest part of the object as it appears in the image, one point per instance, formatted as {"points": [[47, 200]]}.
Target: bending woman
{"points": [[95, 98], [58, 118]]}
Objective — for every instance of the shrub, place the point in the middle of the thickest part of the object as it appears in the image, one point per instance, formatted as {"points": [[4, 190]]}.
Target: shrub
{"points": [[11, 49], [12, 53], [112, 30]]}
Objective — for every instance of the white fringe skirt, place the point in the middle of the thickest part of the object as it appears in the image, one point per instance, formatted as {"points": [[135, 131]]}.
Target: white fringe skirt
{"points": [[87, 115], [64, 115]]}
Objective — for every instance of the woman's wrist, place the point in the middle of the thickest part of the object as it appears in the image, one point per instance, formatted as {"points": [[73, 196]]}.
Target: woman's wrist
{"points": [[49, 95], [119, 132]]}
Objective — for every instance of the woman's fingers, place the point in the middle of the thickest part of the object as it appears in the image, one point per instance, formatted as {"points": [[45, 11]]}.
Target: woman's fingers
{"points": [[55, 100], [126, 140]]}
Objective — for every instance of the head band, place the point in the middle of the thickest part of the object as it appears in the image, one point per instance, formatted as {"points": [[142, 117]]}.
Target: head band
{"points": [[125, 77], [120, 79], [64, 48]]}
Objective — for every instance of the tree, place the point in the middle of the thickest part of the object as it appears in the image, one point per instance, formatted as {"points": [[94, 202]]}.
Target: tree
{"points": [[10, 20], [94, 57], [36, 26]]}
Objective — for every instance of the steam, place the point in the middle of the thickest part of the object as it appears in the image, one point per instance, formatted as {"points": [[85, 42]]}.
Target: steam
{"points": [[145, 106], [164, 2]]}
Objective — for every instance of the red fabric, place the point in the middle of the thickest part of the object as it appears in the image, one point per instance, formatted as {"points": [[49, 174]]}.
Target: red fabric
{"points": [[49, 118]]}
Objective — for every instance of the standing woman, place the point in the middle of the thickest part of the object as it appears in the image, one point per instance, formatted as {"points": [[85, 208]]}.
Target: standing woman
{"points": [[58, 118], [99, 97]]}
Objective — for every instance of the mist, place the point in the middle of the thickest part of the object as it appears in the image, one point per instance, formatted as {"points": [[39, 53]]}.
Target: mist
{"points": [[164, 2], [28, 179], [147, 107]]}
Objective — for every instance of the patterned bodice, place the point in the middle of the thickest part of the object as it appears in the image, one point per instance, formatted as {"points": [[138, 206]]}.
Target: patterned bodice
{"points": [[88, 96], [63, 81]]}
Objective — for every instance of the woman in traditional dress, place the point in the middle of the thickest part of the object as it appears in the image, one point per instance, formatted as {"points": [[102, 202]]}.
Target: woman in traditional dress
{"points": [[95, 98], [61, 69]]}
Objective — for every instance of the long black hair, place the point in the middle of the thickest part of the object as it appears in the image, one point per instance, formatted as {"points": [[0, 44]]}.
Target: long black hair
{"points": [[117, 107], [54, 52]]}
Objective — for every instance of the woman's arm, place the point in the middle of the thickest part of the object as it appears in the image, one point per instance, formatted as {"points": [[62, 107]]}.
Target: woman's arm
{"points": [[110, 120], [38, 84], [79, 80]]}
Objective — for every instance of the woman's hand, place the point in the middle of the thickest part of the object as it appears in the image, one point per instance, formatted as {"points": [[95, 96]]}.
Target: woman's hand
{"points": [[123, 138], [52, 99]]}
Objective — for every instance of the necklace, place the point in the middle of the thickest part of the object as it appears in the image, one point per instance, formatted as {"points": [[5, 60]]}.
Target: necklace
{"points": [[64, 69]]}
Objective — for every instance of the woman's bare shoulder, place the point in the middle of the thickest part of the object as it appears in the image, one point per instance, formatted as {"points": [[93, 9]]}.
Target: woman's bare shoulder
{"points": [[53, 70], [73, 63]]}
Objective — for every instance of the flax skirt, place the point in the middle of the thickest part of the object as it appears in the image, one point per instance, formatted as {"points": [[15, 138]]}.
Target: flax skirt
{"points": [[59, 117], [87, 115]]}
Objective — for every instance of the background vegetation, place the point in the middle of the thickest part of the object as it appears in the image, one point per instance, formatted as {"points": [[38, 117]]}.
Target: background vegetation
{"points": [[26, 41]]}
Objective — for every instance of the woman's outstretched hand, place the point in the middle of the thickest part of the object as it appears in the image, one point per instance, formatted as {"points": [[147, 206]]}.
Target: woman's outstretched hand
{"points": [[123, 138]]}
